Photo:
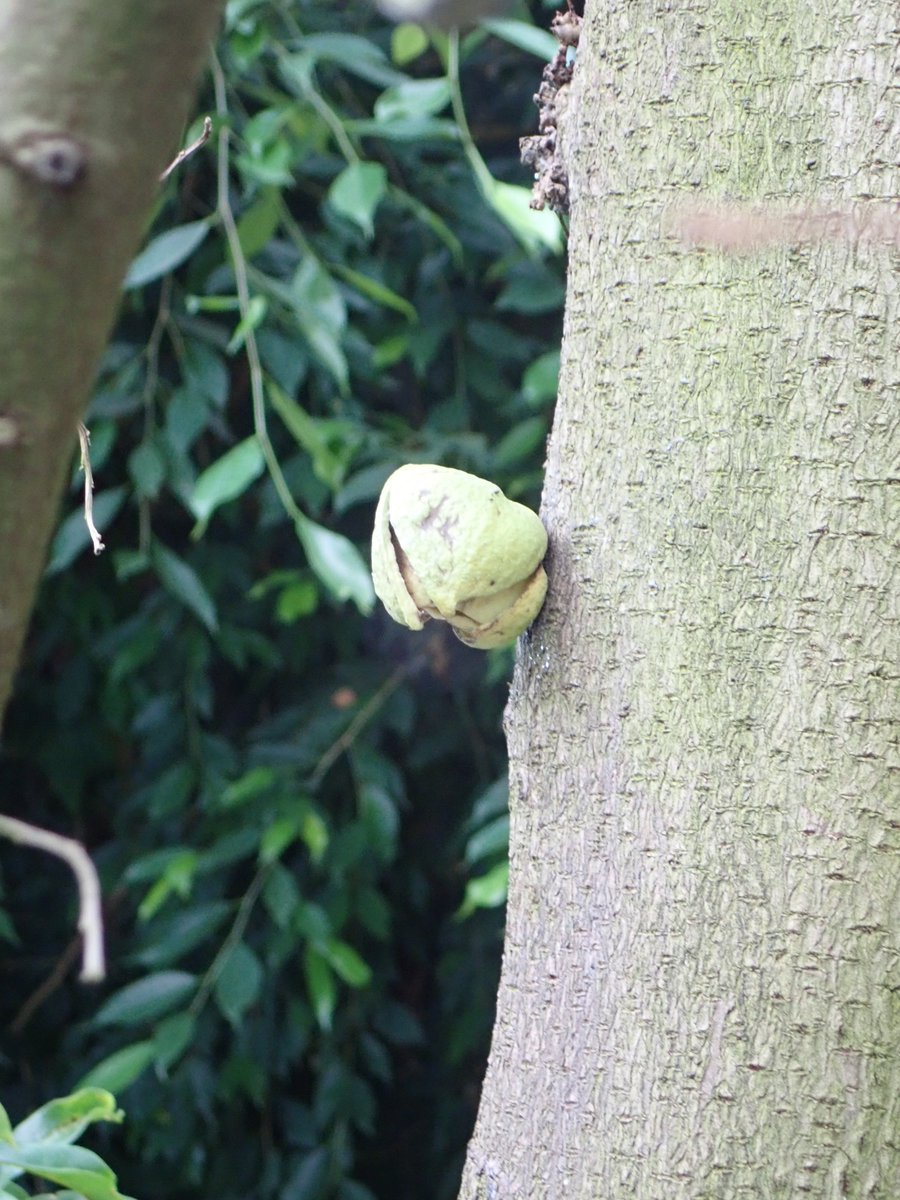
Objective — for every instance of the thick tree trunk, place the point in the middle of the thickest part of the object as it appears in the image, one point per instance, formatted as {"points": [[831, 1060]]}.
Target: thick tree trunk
{"points": [[93, 94], [699, 993]]}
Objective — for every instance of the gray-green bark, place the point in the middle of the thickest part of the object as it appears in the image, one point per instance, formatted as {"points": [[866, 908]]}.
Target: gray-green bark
{"points": [[700, 982], [93, 95]]}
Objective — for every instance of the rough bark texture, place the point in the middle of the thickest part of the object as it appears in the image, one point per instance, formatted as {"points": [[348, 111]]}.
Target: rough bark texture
{"points": [[93, 95], [700, 982]]}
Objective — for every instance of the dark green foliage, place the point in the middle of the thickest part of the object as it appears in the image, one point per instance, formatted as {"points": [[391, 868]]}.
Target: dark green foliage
{"points": [[297, 808]]}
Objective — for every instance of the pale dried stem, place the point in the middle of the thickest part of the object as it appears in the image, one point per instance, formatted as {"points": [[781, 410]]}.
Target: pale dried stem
{"points": [[90, 914], [84, 438], [189, 150]]}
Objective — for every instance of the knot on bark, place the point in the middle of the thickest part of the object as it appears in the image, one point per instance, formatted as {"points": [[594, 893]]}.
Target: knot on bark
{"points": [[54, 159]]}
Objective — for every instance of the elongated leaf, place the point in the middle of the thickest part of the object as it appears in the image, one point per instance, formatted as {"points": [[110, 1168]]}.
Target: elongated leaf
{"points": [[357, 192], [71, 1166], [119, 1070], [183, 582], [492, 839], [413, 98], [165, 253], [226, 479], [408, 41], [306, 430], [321, 315], [375, 291], [523, 36], [406, 129], [172, 1038], [353, 53], [63, 1120], [147, 998], [338, 563], [347, 963], [320, 986], [239, 984], [487, 891]]}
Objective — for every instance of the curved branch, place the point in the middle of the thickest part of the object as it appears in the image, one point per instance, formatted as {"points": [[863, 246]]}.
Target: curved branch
{"points": [[90, 915]]}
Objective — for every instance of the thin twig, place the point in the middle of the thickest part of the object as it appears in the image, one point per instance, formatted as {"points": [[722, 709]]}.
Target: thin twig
{"points": [[239, 266], [90, 914], [189, 150], [234, 935], [46, 987], [84, 438], [362, 718]]}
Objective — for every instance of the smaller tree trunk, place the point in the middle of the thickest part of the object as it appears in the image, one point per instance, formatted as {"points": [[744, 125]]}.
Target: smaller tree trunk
{"points": [[93, 94]]}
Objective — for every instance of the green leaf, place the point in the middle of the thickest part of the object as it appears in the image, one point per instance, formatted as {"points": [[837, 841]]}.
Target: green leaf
{"points": [[320, 986], [321, 315], [71, 1166], [536, 229], [523, 36], [492, 839], [6, 1134], [278, 836], [247, 787], [520, 442], [147, 999], [487, 891], [315, 835], [347, 964], [412, 99], [226, 479], [72, 537], [408, 41], [172, 1038], [259, 222], [338, 563], [281, 896], [541, 379], [147, 468], [184, 584], [357, 192], [165, 253], [405, 129], [63, 1120], [299, 599], [375, 291], [309, 434], [257, 310], [239, 983], [177, 875], [119, 1070], [352, 53]]}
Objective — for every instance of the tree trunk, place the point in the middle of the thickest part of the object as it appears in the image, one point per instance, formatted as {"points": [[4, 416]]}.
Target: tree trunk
{"points": [[93, 94], [699, 992]]}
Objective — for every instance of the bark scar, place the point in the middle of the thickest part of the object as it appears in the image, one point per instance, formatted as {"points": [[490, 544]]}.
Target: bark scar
{"points": [[52, 158]]}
